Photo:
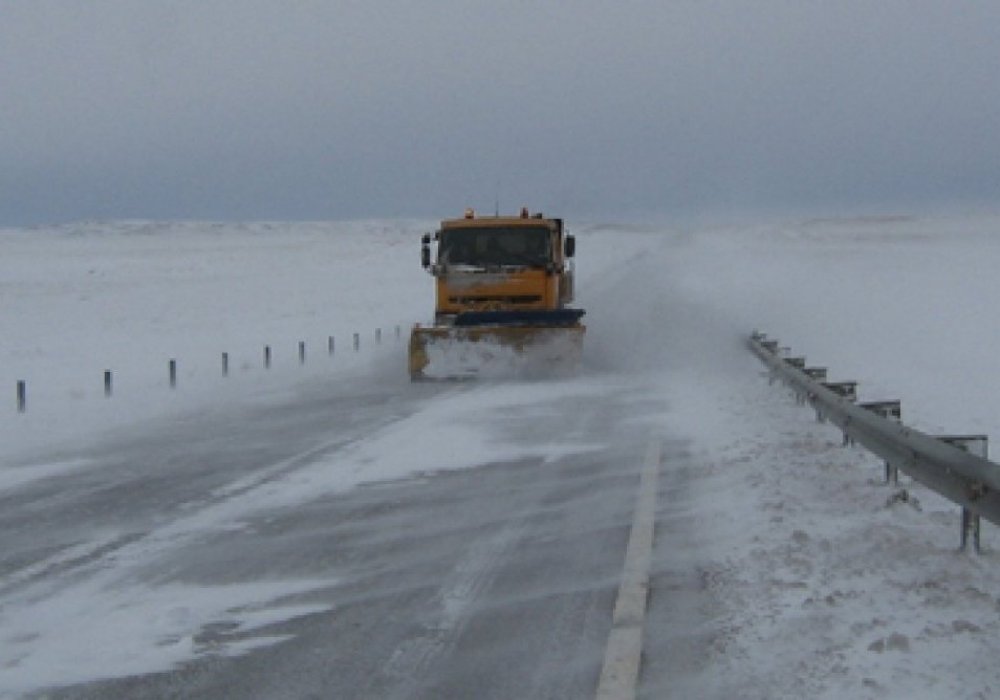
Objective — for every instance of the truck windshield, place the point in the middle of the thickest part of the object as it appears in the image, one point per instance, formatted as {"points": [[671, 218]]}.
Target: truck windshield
{"points": [[496, 245]]}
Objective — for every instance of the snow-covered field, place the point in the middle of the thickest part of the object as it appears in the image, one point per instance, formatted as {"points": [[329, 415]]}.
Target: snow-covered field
{"points": [[130, 296], [822, 587]]}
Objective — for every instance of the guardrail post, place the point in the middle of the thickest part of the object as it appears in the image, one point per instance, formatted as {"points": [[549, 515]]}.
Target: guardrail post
{"points": [[893, 410], [887, 409], [357, 341], [891, 474], [225, 364], [22, 396], [107, 382], [970, 525], [979, 446], [267, 357], [800, 364], [302, 352], [329, 345], [845, 390], [378, 336], [172, 371], [772, 347], [817, 374]]}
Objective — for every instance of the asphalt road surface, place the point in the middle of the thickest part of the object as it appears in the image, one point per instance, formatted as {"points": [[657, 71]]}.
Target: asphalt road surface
{"points": [[493, 581]]}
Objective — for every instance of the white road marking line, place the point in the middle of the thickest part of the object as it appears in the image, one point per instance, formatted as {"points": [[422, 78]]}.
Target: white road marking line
{"points": [[620, 673]]}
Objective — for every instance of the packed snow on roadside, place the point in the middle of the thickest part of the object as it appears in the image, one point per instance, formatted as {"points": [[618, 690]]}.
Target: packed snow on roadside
{"points": [[822, 581]]}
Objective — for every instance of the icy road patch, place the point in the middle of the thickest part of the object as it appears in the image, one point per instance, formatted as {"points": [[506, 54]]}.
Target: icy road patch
{"points": [[101, 608]]}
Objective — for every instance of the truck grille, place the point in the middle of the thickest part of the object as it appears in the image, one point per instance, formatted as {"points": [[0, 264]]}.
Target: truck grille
{"points": [[511, 299]]}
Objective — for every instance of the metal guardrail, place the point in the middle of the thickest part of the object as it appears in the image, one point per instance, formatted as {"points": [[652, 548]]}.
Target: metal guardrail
{"points": [[948, 465]]}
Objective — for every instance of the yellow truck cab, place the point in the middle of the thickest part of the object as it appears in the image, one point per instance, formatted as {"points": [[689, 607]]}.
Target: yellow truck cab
{"points": [[502, 279]]}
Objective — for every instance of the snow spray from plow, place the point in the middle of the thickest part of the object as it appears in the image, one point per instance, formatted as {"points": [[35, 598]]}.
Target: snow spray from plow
{"points": [[494, 353]]}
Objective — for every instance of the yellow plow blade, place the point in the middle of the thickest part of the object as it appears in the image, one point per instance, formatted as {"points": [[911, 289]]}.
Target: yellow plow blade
{"points": [[466, 352]]}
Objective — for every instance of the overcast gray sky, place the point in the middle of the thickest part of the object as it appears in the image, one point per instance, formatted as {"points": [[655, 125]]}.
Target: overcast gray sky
{"points": [[245, 109]]}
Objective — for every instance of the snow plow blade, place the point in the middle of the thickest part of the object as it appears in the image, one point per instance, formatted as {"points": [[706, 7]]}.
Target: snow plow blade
{"points": [[494, 351]]}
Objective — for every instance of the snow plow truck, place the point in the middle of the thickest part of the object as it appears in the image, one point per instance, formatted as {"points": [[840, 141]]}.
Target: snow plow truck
{"points": [[503, 289]]}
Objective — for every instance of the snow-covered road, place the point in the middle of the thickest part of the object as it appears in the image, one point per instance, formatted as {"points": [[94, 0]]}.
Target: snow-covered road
{"points": [[238, 532]]}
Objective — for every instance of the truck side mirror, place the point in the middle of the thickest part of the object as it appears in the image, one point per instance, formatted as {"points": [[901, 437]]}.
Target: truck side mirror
{"points": [[425, 250], [570, 246]]}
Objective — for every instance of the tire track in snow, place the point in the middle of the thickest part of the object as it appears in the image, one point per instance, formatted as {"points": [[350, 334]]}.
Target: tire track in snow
{"points": [[410, 661]]}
